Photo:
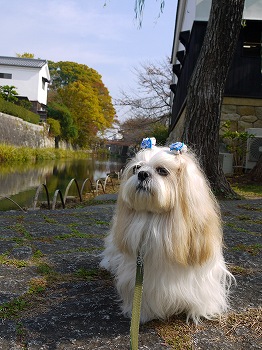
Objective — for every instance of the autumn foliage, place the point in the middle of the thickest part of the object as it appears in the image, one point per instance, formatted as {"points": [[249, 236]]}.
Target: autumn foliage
{"points": [[79, 90]]}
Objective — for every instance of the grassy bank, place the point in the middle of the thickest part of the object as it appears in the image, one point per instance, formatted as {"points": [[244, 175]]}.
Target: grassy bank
{"points": [[248, 190], [9, 153]]}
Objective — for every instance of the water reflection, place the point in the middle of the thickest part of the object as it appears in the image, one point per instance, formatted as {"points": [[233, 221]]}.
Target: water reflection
{"points": [[20, 181]]}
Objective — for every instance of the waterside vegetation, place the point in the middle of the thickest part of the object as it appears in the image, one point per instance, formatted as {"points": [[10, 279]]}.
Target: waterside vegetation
{"points": [[10, 153]]}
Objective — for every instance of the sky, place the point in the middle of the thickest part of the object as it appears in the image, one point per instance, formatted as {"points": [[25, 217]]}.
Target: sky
{"points": [[102, 34]]}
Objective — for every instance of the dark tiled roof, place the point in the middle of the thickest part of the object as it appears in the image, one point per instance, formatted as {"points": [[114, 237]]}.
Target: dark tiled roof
{"points": [[22, 62]]}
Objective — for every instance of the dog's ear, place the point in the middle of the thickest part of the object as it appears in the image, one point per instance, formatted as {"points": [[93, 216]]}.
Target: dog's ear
{"points": [[196, 227], [122, 226]]}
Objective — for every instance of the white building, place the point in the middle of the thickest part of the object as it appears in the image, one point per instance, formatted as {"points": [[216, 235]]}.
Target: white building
{"points": [[30, 78]]}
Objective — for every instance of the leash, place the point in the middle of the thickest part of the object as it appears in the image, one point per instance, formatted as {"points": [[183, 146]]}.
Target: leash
{"points": [[136, 308]]}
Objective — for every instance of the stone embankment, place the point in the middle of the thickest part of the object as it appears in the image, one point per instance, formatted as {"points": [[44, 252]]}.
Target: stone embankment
{"points": [[15, 131]]}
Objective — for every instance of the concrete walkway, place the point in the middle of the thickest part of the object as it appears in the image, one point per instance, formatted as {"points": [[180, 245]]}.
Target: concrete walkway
{"points": [[54, 296]]}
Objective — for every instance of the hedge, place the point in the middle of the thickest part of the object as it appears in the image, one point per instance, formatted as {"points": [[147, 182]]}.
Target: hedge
{"points": [[18, 111]]}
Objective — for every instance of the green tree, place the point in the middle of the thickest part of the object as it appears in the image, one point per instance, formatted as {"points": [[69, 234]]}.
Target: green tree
{"points": [[61, 113], [25, 55], [55, 128], [160, 132], [84, 106], [236, 142], [82, 91], [8, 93]]}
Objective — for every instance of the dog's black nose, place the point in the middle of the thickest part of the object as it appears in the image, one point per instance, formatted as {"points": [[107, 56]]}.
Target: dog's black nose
{"points": [[143, 175]]}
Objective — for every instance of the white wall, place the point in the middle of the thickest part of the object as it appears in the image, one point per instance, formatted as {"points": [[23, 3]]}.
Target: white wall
{"points": [[253, 9], [202, 10], [28, 81], [42, 93]]}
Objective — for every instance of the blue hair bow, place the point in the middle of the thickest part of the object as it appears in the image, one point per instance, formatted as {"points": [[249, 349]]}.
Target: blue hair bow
{"points": [[148, 142], [178, 147]]}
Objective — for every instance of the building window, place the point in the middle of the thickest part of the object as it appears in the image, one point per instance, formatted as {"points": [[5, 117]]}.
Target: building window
{"points": [[5, 75], [43, 83], [252, 39]]}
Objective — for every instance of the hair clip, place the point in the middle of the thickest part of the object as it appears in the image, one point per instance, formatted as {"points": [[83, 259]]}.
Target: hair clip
{"points": [[178, 147], [148, 142]]}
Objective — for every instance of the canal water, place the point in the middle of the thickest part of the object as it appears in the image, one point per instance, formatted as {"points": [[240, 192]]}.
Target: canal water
{"points": [[20, 181]]}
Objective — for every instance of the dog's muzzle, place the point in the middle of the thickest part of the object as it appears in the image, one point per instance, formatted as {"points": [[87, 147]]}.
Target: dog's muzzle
{"points": [[144, 178]]}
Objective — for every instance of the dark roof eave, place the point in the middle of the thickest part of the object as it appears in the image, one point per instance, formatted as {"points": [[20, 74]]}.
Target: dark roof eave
{"points": [[22, 62]]}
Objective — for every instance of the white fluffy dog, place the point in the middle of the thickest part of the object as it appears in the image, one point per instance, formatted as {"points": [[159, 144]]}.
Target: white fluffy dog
{"points": [[167, 214]]}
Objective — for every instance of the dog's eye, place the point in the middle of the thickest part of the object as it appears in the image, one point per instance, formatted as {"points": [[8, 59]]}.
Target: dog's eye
{"points": [[162, 171], [135, 168]]}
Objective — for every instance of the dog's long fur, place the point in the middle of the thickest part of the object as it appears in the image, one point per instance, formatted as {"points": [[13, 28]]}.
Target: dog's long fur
{"points": [[171, 217]]}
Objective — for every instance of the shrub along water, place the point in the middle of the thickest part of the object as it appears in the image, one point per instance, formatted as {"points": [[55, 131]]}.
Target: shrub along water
{"points": [[9, 153]]}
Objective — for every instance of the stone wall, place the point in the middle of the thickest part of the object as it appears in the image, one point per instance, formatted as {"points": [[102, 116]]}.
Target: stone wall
{"points": [[15, 131], [242, 114]]}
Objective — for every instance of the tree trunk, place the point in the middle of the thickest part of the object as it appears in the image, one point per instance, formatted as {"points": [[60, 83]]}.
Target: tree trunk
{"points": [[256, 173], [206, 88]]}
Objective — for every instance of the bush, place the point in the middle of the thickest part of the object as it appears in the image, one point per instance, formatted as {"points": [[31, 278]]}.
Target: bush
{"points": [[25, 104], [55, 128], [61, 113], [160, 132], [235, 142], [17, 111], [8, 93]]}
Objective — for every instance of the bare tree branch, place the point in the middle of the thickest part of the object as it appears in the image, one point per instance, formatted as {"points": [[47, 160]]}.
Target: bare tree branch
{"points": [[152, 95]]}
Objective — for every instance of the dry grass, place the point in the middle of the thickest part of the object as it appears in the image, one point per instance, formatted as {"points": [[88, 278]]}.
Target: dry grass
{"points": [[249, 320], [240, 270], [235, 326], [176, 333]]}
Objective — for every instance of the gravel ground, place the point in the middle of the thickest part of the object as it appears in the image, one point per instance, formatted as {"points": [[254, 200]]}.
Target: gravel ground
{"points": [[54, 296]]}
